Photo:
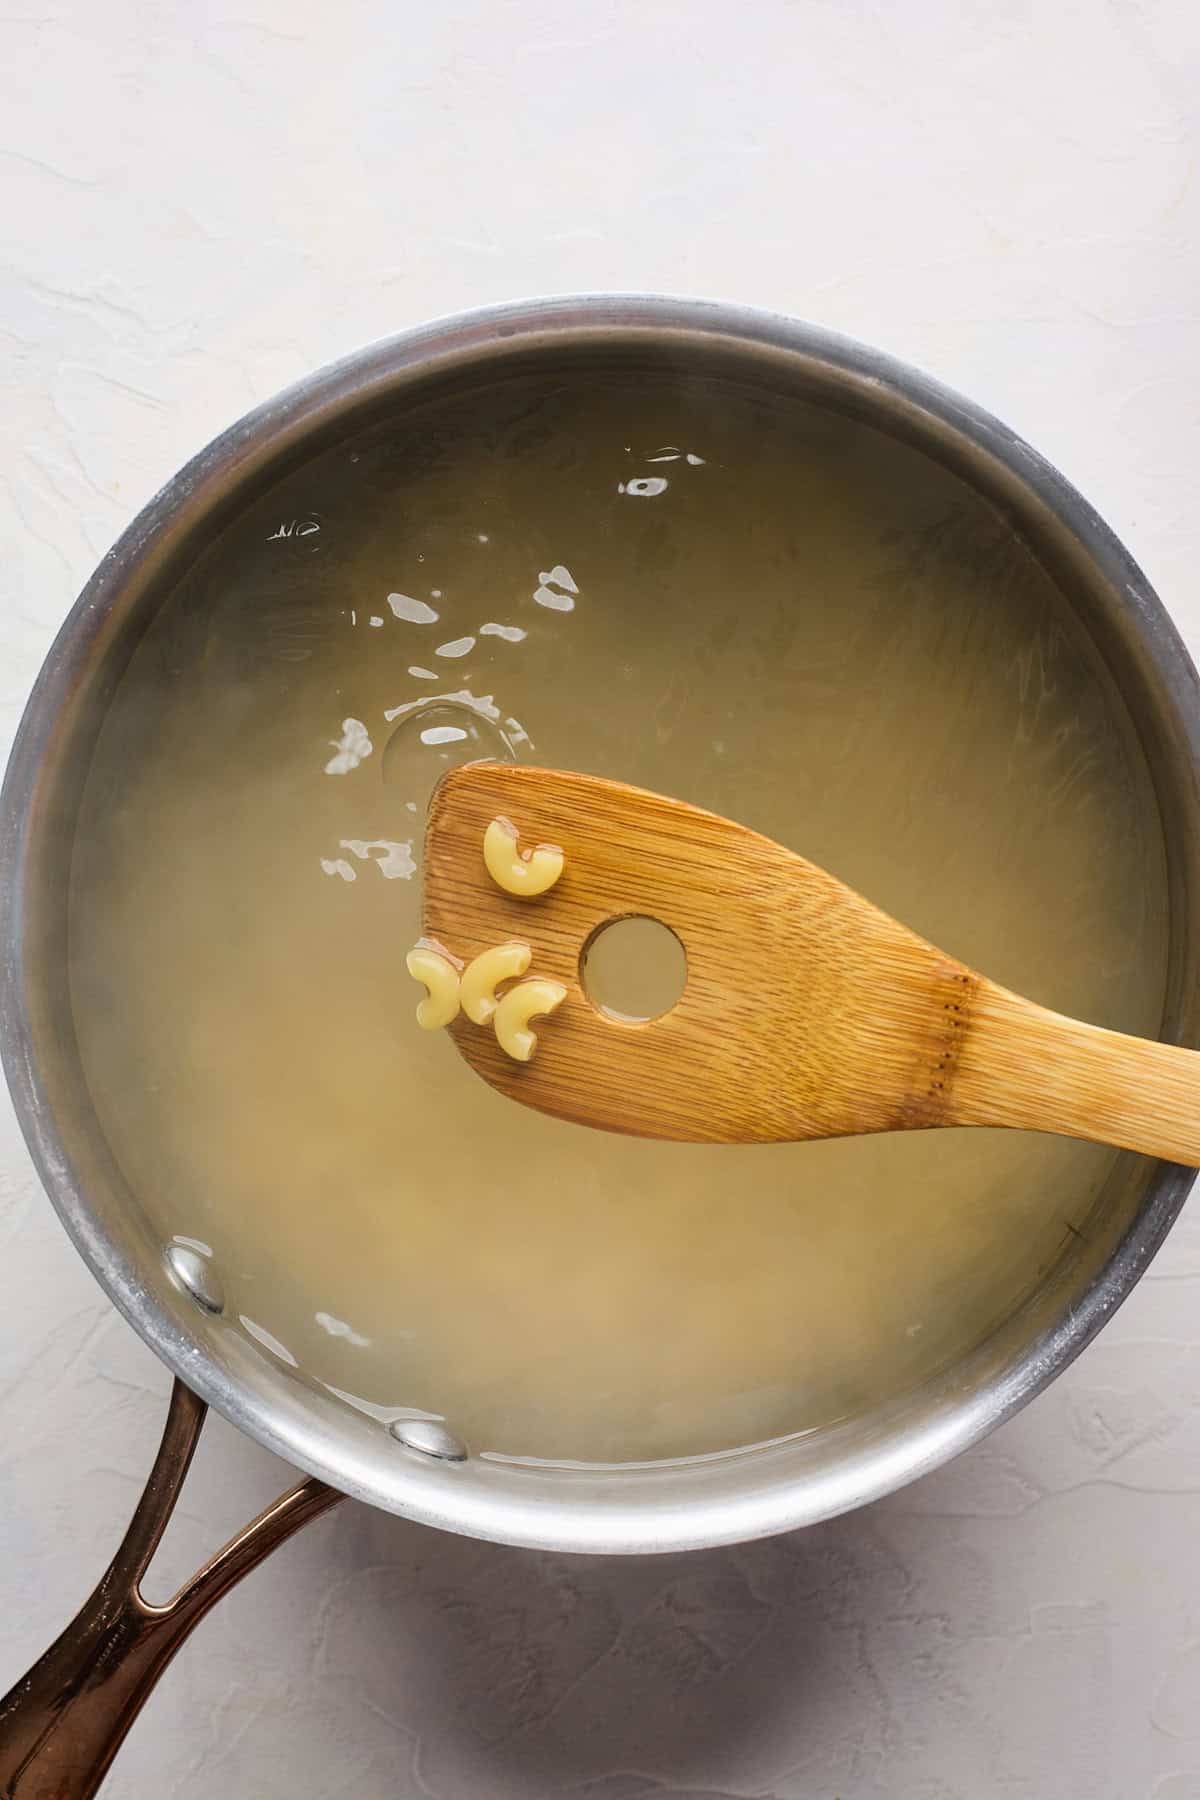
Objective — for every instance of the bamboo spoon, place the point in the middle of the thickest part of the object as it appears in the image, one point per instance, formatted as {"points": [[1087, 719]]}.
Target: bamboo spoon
{"points": [[807, 1012]]}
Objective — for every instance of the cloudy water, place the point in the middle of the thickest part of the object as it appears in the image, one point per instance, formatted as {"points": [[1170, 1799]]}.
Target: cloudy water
{"points": [[773, 613]]}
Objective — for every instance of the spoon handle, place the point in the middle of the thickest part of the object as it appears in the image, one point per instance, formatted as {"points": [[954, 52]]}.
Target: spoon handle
{"points": [[1022, 1065]]}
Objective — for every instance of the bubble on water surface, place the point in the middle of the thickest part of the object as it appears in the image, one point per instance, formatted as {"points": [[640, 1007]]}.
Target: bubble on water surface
{"points": [[443, 731]]}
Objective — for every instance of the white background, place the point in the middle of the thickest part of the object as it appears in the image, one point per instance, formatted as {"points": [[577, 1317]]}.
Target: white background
{"points": [[199, 201]]}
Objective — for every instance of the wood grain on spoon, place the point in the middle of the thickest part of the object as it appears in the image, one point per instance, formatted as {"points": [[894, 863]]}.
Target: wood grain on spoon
{"points": [[807, 1012]]}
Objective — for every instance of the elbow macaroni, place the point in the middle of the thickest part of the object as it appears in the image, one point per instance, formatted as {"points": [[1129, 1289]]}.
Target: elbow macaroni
{"points": [[525, 1001], [450, 987], [474, 990], [482, 977], [528, 872], [442, 984]]}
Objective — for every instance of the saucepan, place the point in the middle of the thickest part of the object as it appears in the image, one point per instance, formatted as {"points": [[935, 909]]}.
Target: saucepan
{"points": [[61, 1725]]}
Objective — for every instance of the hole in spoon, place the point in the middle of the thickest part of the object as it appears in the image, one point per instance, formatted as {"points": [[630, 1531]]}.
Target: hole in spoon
{"points": [[633, 968]]}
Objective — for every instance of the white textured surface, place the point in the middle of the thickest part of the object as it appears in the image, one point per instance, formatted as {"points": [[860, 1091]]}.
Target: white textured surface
{"points": [[199, 202]]}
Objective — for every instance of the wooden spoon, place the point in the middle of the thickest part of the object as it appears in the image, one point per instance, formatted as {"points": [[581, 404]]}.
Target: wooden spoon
{"points": [[807, 1012]]}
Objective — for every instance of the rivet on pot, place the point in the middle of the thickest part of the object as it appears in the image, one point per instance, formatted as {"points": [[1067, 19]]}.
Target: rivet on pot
{"points": [[428, 1437], [195, 1274]]}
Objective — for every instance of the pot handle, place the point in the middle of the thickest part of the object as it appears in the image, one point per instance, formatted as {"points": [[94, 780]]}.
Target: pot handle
{"points": [[63, 1722]]}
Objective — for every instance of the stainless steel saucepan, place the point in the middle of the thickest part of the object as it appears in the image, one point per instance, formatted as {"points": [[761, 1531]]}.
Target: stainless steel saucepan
{"points": [[61, 1725]]}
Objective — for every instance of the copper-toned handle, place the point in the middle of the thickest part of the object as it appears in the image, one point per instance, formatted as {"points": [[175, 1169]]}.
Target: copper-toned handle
{"points": [[63, 1723]]}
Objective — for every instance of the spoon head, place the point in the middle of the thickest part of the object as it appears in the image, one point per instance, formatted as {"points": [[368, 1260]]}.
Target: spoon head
{"points": [[806, 1011]]}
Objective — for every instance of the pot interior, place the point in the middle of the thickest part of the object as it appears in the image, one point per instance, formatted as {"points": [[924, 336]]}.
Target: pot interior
{"points": [[749, 578]]}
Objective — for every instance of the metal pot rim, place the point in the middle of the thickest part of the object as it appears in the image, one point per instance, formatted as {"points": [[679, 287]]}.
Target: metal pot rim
{"points": [[266, 434]]}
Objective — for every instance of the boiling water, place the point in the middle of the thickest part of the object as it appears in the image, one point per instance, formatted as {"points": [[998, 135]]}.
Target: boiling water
{"points": [[767, 610]]}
